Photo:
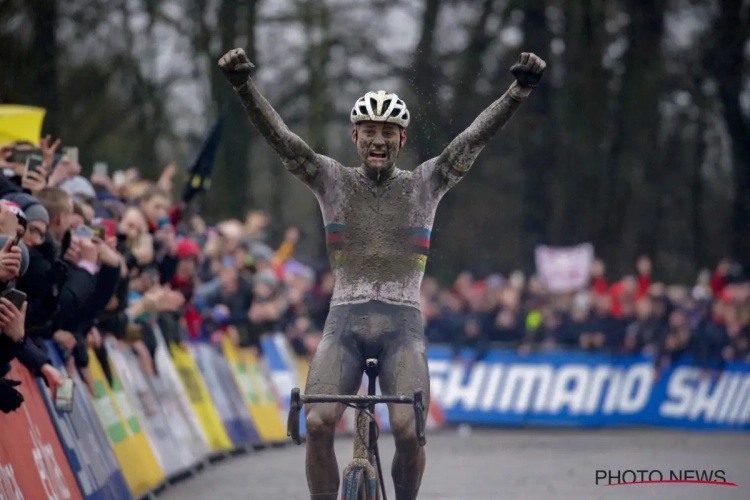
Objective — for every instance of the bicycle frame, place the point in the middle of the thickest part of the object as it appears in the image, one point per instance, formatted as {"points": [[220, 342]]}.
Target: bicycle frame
{"points": [[366, 453]]}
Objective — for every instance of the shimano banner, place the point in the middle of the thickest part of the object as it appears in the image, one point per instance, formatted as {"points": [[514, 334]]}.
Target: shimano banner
{"points": [[587, 389]]}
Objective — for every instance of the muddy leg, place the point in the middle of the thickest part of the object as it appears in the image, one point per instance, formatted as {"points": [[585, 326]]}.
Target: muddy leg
{"points": [[403, 371], [336, 370]]}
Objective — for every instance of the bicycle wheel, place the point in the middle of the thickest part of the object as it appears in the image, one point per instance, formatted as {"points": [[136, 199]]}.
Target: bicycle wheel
{"points": [[357, 487]]}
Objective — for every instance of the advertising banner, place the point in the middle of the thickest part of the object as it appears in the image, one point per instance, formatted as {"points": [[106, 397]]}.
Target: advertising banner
{"points": [[196, 390], [33, 465], [257, 396], [224, 393], [132, 449], [172, 455], [587, 390], [176, 404], [85, 443], [283, 371]]}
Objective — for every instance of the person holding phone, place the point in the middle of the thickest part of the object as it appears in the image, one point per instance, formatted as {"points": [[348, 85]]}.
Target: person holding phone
{"points": [[62, 274], [11, 259], [13, 340], [37, 218]]}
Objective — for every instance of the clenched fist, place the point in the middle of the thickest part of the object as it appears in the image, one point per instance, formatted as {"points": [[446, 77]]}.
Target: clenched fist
{"points": [[528, 70], [236, 67]]}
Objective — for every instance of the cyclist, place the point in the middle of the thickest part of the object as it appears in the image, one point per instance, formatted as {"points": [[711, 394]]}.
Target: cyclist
{"points": [[377, 221]]}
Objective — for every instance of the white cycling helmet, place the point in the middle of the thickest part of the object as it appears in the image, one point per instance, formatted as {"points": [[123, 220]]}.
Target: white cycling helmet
{"points": [[380, 106]]}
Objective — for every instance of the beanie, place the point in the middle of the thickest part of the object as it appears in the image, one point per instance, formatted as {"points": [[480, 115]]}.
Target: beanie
{"points": [[34, 210]]}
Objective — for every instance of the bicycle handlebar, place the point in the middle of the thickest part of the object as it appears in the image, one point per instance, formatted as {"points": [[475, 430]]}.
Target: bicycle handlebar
{"points": [[298, 400]]}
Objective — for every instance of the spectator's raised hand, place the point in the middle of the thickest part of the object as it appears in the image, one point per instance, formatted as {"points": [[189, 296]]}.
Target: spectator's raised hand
{"points": [[64, 170], [6, 150], [65, 339], [8, 220], [163, 299], [73, 253], [35, 180], [107, 255], [143, 249], [291, 235], [10, 260], [94, 338], [49, 149], [52, 376], [12, 320], [88, 250], [171, 301], [167, 177]]}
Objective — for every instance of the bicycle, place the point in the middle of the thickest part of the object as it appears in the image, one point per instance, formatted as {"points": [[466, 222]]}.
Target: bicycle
{"points": [[362, 475]]}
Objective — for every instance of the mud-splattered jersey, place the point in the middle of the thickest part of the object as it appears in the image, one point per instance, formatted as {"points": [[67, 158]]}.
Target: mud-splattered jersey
{"points": [[378, 233]]}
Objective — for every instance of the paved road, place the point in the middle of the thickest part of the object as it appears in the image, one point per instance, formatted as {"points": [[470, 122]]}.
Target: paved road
{"points": [[507, 464]]}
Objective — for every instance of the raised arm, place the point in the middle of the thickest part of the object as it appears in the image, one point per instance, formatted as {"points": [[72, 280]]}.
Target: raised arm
{"points": [[460, 154], [294, 152]]}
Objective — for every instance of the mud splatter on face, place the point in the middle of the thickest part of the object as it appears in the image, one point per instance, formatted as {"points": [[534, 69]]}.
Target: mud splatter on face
{"points": [[378, 145]]}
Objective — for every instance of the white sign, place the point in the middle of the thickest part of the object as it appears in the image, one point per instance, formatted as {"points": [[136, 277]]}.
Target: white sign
{"points": [[565, 269]]}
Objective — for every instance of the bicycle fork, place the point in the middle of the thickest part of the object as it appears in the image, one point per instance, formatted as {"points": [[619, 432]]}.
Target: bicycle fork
{"points": [[362, 454]]}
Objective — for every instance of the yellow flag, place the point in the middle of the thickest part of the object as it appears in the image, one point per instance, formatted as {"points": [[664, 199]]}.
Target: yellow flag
{"points": [[20, 123]]}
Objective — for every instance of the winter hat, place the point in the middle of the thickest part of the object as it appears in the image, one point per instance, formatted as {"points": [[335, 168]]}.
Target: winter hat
{"points": [[79, 185], [296, 268], [187, 248], [262, 252], [16, 209], [268, 277], [34, 210]]}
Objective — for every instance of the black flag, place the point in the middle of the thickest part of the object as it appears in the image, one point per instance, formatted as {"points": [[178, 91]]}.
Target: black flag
{"points": [[199, 176]]}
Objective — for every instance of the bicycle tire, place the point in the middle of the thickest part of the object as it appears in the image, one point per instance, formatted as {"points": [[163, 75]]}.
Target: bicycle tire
{"points": [[356, 487]]}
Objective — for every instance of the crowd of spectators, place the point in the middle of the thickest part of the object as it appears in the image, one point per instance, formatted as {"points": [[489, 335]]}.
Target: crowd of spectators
{"points": [[708, 322], [117, 259]]}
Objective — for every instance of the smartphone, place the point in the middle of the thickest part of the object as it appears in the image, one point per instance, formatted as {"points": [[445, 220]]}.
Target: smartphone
{"points": [[101, 169], [16, 297], [119, 178], [33, 164], [99, 231], [163, 221], [71, 153], [84, 231], [64, 396], [20, 155]]}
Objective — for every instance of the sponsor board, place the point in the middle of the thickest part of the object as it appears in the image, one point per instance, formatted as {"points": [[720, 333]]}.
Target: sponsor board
{"points": [[84, 440], [33, 465], [132, 449], [587, 390]]}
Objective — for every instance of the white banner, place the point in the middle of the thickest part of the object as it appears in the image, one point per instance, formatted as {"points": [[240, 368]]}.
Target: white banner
{"points": [[564, 269]]}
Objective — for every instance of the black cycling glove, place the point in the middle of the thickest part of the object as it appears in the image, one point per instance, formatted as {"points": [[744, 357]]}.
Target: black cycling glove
{"points": [[10, 398]]}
